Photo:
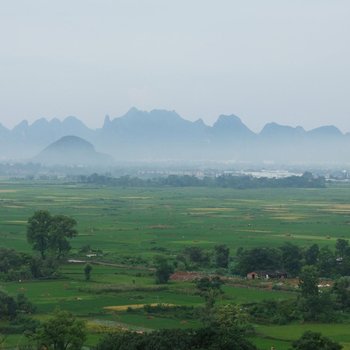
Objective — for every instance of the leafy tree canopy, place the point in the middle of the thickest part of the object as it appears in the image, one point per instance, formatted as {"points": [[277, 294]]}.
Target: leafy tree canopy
{"points": [[50, 232], [163, 270], [62, 332], [176, 339], [308, 281], [312, 341]]}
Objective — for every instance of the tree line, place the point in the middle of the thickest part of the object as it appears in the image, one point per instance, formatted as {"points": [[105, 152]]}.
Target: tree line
{"points": [[288, 258], [291, 258], [307, 180]]}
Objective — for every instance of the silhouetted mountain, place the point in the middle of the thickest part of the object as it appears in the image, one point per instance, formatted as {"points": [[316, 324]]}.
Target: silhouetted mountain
{"points": [[71, 150], [157, 123], [230, 139], [164, 135], [154, 135], [20, 130], [273, 130], [326, 131], [25, 140], [3, 130], [232, 127]]}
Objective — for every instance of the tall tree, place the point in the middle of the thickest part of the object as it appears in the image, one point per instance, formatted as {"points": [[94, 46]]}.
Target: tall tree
{"points": [[50, 232], [291, 258], [209, 289], [341, 247], [222, 255], [326, 262], [62, 332], [163, 270], [62, 227], [308, 281], [341, 290], [312, 254], [313, 305], [38, 230]]}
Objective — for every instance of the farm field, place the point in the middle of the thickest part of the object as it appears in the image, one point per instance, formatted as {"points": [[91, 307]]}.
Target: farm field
{"points": [[132, 225]]}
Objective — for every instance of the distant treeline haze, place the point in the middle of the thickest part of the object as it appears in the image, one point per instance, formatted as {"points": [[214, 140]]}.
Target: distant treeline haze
{"points": [[307, 180]]}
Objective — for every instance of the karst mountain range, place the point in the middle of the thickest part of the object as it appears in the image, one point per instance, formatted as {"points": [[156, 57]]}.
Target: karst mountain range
{"points": [[161, 135]]}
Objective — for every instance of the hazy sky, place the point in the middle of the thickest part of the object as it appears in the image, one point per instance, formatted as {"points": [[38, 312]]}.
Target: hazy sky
{"points": [[264, 60]]}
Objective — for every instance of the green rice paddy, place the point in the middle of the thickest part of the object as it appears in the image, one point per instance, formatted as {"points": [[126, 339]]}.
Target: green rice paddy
{"points": [[135, 224]]}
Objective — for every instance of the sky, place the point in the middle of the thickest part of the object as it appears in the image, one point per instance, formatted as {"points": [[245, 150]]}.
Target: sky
{"points": [[273, 60]]}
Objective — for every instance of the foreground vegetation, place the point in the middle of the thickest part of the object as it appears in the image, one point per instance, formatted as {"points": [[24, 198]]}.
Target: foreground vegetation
{"points": [[126, 235]]}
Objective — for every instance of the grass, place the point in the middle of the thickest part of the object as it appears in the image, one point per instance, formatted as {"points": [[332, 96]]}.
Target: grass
{"points": [[132, 225], [122, 221]]}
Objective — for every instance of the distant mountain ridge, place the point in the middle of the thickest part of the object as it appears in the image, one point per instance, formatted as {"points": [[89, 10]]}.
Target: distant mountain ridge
{"points": [[164, 135]]}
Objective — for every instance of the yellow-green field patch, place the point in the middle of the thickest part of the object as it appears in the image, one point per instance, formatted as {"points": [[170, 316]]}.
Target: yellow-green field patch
{"points": [[133, 306], [213, 209], [15, 222], [289, 217]]}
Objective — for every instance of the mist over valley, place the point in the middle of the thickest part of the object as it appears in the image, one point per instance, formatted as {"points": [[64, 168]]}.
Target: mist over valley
{"points": [[164, 136]]}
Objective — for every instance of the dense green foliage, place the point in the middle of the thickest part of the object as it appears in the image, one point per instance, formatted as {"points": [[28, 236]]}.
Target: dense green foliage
{"points": [[341, 292], [11, 307], [61, 332], [258, 259], [207, 338], [46, 232], [291, 258], [312, 304], [49, 236], [221, 256], [14, 265], [312, 341], [163, 270], [308, 282]]}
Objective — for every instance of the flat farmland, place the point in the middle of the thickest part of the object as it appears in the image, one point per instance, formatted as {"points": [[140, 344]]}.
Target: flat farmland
{"points": [[139, 221], [129, 226]]}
